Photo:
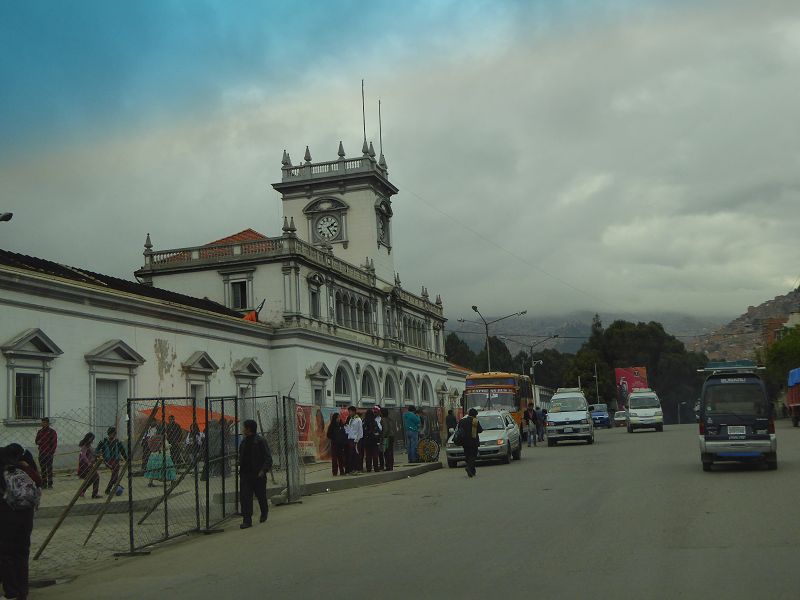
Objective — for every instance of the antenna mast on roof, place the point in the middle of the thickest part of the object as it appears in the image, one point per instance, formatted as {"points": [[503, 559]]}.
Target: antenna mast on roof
{"points": [[380, 127], [363, 112]]}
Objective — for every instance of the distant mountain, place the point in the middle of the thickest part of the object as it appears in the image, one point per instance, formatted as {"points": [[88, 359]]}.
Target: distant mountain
{"points": [[573, 328], [748, 332]]}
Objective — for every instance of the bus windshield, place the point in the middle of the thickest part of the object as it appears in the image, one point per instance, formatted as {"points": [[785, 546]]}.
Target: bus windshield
{"points": [[491, 399]]}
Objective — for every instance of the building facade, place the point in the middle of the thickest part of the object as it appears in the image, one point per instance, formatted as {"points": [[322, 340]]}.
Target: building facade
{"points": [[336, 325]]}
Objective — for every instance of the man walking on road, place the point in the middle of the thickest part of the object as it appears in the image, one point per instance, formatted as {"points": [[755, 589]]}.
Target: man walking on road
{"points": [[411, 426], [531, 424], [541, 413], [255, 460], [47, 442], [470, 428]]}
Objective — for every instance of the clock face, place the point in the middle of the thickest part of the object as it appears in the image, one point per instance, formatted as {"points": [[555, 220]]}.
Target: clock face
{"points": [[328, 227]]}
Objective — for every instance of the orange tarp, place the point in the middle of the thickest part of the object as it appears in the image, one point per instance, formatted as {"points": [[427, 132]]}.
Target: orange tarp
{"points": [[183, 416]]}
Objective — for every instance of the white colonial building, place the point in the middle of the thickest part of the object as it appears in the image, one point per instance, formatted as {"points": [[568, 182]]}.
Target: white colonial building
{"points": [[337, 326]]}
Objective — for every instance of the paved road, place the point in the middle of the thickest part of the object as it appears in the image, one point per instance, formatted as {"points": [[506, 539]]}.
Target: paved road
{"points": [[633, 516]]}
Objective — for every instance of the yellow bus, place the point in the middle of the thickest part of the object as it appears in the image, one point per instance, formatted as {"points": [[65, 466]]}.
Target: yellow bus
{"points": [[498, 391]]}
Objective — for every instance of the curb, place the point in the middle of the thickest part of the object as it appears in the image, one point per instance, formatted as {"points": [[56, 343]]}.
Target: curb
{"points": [[350, 482]]}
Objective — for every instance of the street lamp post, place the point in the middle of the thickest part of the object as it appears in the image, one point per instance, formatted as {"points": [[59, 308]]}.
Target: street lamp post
{"points": [[533, 362], [486, 326]]}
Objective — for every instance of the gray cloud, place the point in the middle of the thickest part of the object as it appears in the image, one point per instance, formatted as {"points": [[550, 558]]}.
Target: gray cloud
{"points": [[643, 163]]}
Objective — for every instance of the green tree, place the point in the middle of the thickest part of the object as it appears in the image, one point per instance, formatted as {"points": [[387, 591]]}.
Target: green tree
{"points": [[501, 357], [552, 372], [457, 351], [671, 370], [781, 357]]}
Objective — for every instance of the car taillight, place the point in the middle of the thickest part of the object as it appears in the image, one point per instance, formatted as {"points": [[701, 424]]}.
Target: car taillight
{"points": [[702, 428], [771, 428]]}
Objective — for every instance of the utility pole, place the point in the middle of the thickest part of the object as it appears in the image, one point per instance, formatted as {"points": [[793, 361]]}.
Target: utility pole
{"points": [[596, 384]]}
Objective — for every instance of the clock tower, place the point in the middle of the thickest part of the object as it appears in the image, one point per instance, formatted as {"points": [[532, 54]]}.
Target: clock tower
{"points": [[345, 203]]}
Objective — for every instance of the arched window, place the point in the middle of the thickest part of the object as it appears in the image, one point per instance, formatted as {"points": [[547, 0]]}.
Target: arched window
{"points": [[367, 317], [388, 390], [426, 394], [339, 313], [342, 383], [353, 314], [408, 390], [367, 386], [359, 315]]}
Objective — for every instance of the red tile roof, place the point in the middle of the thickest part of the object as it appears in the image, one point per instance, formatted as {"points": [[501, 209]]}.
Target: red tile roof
{"points": [[248, 235]]}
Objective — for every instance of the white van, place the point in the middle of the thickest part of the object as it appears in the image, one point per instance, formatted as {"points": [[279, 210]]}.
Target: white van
{"points": [[568, 417], [644, 410]]}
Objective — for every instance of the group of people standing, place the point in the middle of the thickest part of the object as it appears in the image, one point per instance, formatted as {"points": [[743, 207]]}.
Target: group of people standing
{"points": [[360, 444]]}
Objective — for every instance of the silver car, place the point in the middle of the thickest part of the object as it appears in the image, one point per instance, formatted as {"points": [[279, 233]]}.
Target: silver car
{"points": [[500, 439]]}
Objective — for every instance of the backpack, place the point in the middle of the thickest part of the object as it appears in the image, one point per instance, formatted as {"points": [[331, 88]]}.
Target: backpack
{"points": [[21, 492]]}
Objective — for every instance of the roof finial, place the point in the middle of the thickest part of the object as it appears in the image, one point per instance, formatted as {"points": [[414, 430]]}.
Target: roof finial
{"points": [[371, 151], [292, 228], [285, 159], [365, 148], [382, 162], [341, 150], [285, 225], [148, 245], [307, 156]]}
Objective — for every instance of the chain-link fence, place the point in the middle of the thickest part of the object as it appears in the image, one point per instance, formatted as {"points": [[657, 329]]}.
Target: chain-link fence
{"points": [[181, 476], [277, 421], [163, 491]]}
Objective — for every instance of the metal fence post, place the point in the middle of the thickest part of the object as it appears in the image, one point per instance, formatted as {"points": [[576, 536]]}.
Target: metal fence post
{"points": [[286, 451], [236, 455], [164, 466], [130, 476], [195, 459], [223, 457], [207, 472]]}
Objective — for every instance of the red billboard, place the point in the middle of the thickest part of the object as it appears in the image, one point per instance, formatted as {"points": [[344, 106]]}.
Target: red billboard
{"points": [[629, 379]]}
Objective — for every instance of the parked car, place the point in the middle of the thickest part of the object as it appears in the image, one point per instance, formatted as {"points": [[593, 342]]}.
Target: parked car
{"points": [[600, 416], [500, 440], [644, 411], [568, 417], [620, 418], [736, 418]]}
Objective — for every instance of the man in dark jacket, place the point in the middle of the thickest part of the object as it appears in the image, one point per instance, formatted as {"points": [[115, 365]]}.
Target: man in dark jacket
{"points": [[470, 429], [451, 422], [531, 419], [255, 460]]}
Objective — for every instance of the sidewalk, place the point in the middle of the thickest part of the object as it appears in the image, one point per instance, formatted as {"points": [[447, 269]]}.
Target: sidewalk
{"points": [[318, 479]]}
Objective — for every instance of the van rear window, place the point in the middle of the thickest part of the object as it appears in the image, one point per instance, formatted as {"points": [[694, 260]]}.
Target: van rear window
{"points": [[740, 399]]}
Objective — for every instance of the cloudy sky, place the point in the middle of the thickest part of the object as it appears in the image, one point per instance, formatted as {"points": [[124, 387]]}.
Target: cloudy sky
{"points": [[551, 155]]}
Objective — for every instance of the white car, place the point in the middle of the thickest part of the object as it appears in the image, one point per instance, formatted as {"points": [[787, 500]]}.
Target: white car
{"points": [[644, 411], [568, 417], [500, 439]]}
